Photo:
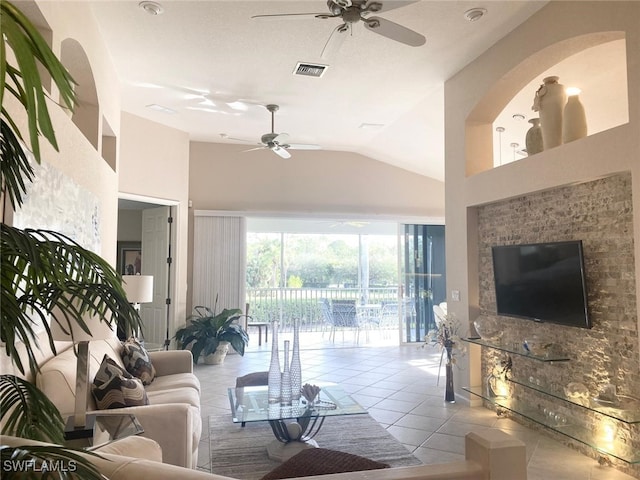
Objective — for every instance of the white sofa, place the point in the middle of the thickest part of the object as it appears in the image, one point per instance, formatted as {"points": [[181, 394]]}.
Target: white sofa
{"points": [[172, 418], [489, 455]]}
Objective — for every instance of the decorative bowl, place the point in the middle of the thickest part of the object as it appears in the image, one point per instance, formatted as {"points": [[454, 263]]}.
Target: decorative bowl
{"points": [[488, 328]]}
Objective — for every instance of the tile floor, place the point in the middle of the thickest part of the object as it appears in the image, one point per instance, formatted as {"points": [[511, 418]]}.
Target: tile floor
{"points": [[397, 384]]}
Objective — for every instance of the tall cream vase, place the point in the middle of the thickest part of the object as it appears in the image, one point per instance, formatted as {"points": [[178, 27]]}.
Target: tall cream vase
{"points": [[574, 120], [550, 100]]}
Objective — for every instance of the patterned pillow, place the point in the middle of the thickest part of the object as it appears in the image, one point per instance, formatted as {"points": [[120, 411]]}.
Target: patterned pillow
{"points": [[109, 369], [136, 361], [115, 388]]}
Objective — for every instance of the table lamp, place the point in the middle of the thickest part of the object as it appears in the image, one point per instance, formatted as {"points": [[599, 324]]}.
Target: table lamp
{"points": [[138, 289], [78, 425]]}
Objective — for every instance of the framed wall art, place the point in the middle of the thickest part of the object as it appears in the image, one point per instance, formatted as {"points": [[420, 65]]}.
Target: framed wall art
{"points": [[129, 258]]}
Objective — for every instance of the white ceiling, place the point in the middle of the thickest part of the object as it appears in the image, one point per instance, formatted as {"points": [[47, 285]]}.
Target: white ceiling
{"points": [[216, 47]]}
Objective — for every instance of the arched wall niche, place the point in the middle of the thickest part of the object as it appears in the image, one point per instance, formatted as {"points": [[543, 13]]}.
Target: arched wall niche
{"points": [[86, 115], [109, 144], [479, 130]]}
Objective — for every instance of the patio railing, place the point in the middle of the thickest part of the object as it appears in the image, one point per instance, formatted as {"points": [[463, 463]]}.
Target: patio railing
{"points": [[286, 304]]}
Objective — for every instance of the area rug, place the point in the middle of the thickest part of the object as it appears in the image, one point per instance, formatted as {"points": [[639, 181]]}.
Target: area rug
{"points": [[241, 452]]}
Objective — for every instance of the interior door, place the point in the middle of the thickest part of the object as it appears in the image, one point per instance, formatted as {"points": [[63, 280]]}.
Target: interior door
{"points": [[155, 255]]}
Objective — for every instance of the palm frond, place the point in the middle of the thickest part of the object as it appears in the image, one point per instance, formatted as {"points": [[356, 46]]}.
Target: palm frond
{"points": [[41, 270], [25, 84], [43, 461], [27, 412]]}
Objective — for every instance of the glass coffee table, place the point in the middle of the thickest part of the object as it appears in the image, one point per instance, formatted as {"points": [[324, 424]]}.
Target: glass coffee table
{"points": [[294, 426]]}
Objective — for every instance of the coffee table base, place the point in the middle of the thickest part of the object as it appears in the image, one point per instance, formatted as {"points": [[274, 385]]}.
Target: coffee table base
{"points": [[282, 452]]}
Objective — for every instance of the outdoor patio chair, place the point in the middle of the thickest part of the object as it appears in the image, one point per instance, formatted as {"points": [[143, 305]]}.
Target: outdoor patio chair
{"points": [[344, 316]]}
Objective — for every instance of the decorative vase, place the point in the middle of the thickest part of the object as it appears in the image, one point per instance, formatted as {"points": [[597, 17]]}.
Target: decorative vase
{"points": [[286, 378], [533, 140], [549, 101], [296, 368], [217, 357], [574, 120], [274, 379], [449, 394]]}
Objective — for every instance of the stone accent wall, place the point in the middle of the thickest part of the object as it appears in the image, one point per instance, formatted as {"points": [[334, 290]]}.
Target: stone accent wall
{"points": [[600, 214]]}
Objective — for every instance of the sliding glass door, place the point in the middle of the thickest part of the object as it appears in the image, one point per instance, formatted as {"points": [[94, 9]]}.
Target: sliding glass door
{"points": [[423, 278]]}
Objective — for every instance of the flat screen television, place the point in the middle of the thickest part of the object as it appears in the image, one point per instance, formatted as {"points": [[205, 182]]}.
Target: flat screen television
{"points": [[543, 282]]}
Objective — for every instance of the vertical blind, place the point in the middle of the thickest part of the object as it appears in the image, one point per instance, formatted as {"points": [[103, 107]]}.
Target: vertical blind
{"points": [[219, 262]]}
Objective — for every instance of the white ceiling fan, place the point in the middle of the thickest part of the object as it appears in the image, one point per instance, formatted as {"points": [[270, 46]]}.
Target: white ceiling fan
{"points": [[277, 142], [351, 12]]}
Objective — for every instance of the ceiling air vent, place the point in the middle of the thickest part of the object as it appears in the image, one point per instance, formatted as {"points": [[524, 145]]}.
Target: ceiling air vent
{"points": [[310, 69]]}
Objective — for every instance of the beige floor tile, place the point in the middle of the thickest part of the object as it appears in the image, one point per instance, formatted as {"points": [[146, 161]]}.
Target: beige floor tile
{"points": [[398, 387], [409, 436]]}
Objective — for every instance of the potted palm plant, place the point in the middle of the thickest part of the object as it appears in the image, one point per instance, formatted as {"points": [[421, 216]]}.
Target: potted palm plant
{"points": [[210, 334], [40, 270]]}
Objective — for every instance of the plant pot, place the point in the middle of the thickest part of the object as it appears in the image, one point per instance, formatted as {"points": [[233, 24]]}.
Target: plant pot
{"points": [[217, 357]]}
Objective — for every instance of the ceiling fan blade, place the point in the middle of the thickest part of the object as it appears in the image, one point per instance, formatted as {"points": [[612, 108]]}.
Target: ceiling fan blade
{"points": [[227, 137], [303, 146], [394, 31], [276, 16], [376, 6], [254, 149], [335, 41], [281, 152], [281, 138]]}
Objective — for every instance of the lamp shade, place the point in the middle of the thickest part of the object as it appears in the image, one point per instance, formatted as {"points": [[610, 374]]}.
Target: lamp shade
{"points": [[71, 331], [138, 288]]}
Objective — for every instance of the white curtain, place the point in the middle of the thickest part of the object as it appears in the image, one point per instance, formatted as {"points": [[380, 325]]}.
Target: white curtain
{"points": [[219, 262]]}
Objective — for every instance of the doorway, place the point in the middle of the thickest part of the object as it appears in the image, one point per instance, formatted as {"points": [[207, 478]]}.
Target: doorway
{"points": [[145, 237]]}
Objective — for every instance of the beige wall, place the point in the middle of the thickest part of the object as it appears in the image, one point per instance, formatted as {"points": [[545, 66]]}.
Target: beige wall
{"points": [[555, 32], [154, 163], [223, 178]]}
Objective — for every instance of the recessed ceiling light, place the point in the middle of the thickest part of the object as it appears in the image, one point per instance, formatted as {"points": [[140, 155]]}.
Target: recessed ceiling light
{"points": [[370, 126], [152, 8], [517, 116], [160, 108], [475, 14]]}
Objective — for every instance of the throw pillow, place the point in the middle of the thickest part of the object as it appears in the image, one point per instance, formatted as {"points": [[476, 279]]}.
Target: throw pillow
{"points": [[108, 369], [136, 361], [115, 388], [321, 461]]}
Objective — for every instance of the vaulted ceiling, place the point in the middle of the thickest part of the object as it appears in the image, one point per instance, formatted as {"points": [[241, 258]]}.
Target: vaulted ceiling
{"points": [[213, 68]]}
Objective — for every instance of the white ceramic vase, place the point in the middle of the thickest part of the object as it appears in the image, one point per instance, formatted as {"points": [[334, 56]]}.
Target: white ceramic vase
{"points": [[217, 357], [274, 388], [574, 120], [296, 367], [533, 140], [549, 101], [285, 393]]}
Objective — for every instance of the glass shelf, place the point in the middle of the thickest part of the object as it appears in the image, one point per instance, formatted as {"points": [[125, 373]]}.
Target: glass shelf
{"points": [[630, 414], [518, 350], [573, 431]]}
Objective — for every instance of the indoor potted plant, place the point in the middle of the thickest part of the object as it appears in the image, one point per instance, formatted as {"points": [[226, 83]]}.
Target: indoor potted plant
{"points": [[210, 334]]}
